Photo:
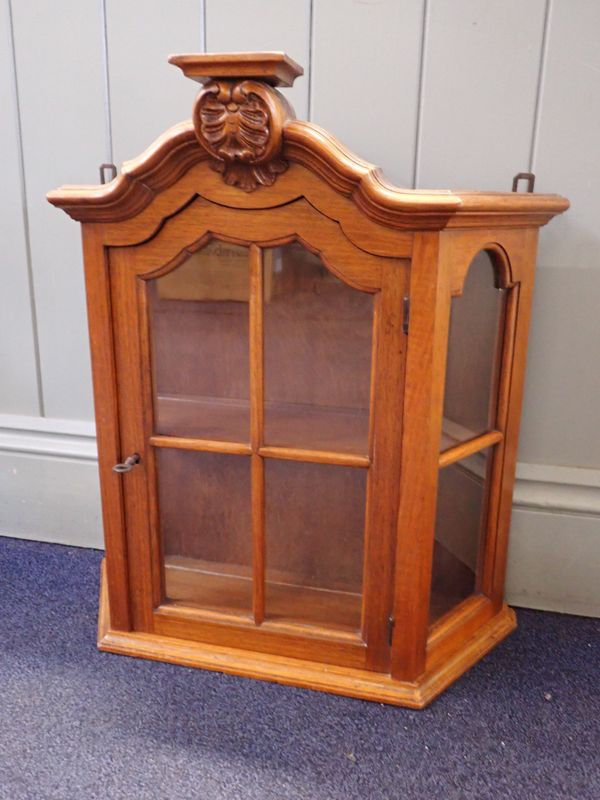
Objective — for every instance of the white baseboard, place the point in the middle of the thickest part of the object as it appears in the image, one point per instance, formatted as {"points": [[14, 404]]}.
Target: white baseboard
{"points": [[49, 481], [553, 562], [62, 438], [49, 492], [546, 487]]}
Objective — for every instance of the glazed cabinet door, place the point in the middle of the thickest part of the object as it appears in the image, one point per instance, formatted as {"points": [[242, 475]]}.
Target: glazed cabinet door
{"points": [[261, 388]]}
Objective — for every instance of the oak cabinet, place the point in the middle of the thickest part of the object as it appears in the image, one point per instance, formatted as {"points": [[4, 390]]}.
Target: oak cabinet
{"points": [[308, 386]]}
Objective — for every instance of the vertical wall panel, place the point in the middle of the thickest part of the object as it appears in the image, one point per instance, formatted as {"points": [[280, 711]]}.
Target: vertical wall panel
{"points": [[147, 94], [264, 25], [59, 74], [567, 150], [365, 82], [563, 381], [479, 92], [18, 374], [561, 411]]}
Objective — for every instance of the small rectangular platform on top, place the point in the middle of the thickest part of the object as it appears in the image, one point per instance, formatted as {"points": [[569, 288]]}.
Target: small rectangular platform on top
{"points": [[274, 68]]}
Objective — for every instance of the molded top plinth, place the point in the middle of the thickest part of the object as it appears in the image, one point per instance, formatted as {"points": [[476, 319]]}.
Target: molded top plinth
{"points": [[274, 68]]}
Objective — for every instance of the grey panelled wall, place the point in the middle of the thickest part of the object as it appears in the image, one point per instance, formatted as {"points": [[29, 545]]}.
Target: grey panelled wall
{"points": [[465, 93]]}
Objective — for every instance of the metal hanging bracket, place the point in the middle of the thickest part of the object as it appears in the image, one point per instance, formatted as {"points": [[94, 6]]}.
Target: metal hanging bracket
{"points": [[524, 176], [103, 169]]}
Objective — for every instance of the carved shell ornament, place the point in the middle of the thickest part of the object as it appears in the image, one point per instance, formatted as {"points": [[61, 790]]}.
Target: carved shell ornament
{"points": [[240, 125]]}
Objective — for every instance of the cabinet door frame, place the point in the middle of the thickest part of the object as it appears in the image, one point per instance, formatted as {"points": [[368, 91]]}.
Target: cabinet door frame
{"points": [[386, 278]]}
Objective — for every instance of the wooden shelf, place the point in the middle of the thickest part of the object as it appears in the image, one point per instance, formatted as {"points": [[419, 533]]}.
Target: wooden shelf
{"points": [[213, 418], [227, 589], [454, 434], [306, 605], [323, 428], [342, 430]]}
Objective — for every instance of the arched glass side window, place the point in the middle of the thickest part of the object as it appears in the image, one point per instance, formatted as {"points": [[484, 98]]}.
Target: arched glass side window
{"points": [[470, 410], [474, 346]]}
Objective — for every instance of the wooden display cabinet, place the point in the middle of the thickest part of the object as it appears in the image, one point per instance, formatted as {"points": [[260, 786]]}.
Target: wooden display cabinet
{"points": [[308, 385]]}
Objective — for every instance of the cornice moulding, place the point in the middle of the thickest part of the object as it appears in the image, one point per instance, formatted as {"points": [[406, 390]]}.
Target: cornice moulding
{"points": [[178, 149]]}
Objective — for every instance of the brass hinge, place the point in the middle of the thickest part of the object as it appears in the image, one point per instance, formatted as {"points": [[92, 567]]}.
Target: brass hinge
{"points": [[405, 313], [390, 626]]}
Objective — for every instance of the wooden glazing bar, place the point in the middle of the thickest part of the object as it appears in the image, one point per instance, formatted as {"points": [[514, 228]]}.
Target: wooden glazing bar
{"points": [[513, 415], [501, 333], [464, 449], [257, 432], [486, 570], [506, 358], [158, 583], [374, 365], [258, 538], [315, 456], [133, 436], [201, 445]]}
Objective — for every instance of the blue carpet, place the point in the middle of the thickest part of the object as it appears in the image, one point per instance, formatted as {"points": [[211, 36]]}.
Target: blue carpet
{"points": [[76, 724]]}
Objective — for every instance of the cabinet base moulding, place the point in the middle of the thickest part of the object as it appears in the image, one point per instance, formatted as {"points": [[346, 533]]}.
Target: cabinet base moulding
{"points": [[358, 683]]}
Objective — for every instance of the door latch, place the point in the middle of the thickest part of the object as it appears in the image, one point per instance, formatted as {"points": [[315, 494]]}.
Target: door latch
{"points": [[128, 464]]}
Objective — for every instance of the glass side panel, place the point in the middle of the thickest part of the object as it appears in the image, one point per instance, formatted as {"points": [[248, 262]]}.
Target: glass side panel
{"points": [[318, 338], [473, 355], [199, 333], [205, 523], [314, 543], [459, 530]]}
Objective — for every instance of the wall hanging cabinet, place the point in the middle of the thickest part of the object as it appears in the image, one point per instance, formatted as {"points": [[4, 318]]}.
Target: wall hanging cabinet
{"points": [[308, 385]]}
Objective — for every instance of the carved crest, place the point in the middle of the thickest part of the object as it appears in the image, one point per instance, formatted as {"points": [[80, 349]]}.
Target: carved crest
{"points": [[240, 124]]}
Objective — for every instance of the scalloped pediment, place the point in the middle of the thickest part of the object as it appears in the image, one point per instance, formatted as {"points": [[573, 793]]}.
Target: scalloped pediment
{"points": [[246, 131]]}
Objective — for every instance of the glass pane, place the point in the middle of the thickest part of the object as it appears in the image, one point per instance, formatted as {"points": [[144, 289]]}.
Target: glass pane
{"points": [[204, 517], [199, 333], [459, 530], [318, 335], [314, 544], [473, 355]]}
